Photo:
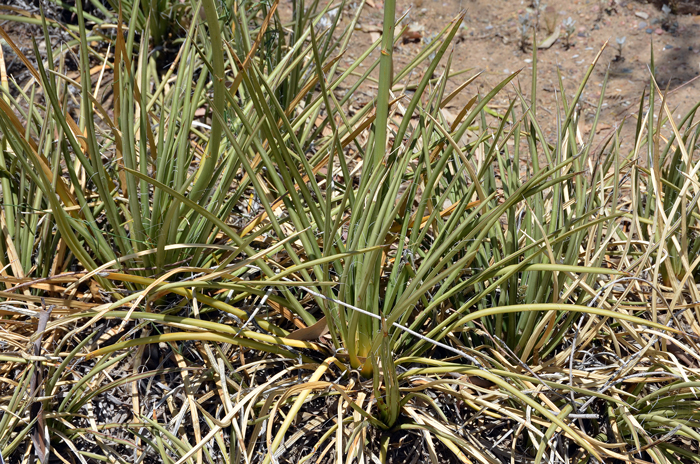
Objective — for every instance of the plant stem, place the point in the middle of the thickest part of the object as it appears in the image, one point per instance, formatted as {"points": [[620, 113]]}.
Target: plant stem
{"points": [[386, 68]]}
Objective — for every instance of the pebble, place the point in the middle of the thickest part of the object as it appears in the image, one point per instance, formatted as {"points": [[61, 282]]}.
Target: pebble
{"points": [[668, 47], [641, 14], [659, 31], [649, 31], [642, 25]]}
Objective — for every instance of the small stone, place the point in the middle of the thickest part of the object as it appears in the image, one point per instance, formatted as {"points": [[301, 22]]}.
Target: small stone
{"points": [[649, 31], [642, 25], [641, 14], [668, 47], [659, 31], [581, 34]]}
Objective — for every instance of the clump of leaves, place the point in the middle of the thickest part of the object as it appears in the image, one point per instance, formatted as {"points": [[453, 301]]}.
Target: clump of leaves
{"points": [[620, 41], [668, 23], [524, 30], [259, 256], [569, 26]]}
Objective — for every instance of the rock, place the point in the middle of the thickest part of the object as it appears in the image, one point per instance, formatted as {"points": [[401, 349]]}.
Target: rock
{"points": [[642, 25], [649, 31], [659, 31], [641, 14]]}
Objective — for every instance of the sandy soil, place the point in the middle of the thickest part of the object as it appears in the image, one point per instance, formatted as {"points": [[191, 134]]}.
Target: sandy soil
{"points": [[491, 41]]}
